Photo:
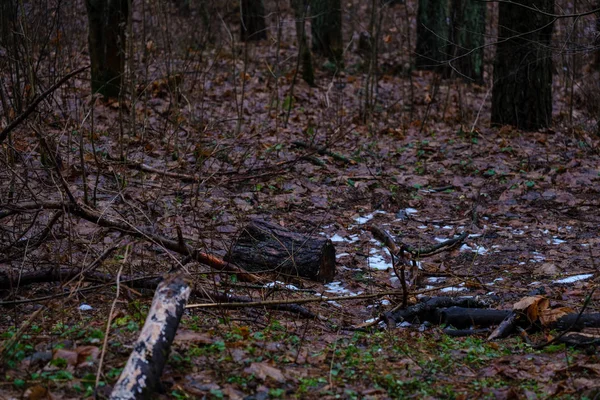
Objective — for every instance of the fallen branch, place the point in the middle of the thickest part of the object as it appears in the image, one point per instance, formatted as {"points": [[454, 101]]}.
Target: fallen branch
{"points": [[125, 227], [319, 299], [141, 375], [226, 298]]}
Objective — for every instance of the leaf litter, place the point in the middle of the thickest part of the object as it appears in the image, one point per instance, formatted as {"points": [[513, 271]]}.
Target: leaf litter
{"points": [[525, 198]]}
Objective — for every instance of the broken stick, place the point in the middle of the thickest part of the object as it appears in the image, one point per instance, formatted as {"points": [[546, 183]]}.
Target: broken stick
{"points": [[141, 375]]}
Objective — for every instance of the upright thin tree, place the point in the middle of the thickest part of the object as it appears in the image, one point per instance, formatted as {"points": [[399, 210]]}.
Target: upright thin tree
{"points": [[468, 38], [326, 30], [433, 29], [522, 91], [308, 74], [106, 40], [254, 26]]}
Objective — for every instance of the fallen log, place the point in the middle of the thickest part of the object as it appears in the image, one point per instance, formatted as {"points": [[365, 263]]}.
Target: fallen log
{"points": [[266, 247], [430, 310], [141, 375]]}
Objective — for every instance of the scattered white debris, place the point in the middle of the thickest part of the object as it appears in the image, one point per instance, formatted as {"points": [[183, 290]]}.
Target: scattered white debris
{"points": [[422, 226], [474, 235], [362, 220], [439, 239], [495, 280], [385, 302], [459, 288], [280, 284], [85, 307], [404, 324], [574, 278], [480, 249], [337, 238], [518, 232], [341, 255], [585, 244], [448, 227], [378, 262], [436, 279], [338, 288], [535, 283], [370, 320], [537, 257], [410, 211], [556, 240]]}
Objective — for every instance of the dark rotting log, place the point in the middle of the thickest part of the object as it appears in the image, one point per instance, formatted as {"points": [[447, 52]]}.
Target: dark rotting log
{"points": [[461, 318], [430, 310], [266, 247], [141, 375]]}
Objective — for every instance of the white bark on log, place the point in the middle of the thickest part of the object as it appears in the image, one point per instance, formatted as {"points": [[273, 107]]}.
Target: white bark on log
{"points": [[141, 376]]}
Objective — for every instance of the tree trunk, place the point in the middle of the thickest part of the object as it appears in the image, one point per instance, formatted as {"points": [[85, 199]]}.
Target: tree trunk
{"points": [[254, 27], [522, 92], [308, 72], [432, 35], [265, 247], [106, 40], [326, 30], [468, 34]]}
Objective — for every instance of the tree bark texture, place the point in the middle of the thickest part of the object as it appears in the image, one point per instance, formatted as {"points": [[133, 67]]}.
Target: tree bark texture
{"points": [[106, 40], [141, 375], [468, 36], [265, 247], [308, 74], [326, 30], [254, 27], [433, 44], [522, 92]]}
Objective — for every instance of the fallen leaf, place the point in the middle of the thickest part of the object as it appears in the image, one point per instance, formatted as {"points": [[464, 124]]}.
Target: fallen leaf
{"points": [[549, 316], [191, 336], [532, 306], [263, 371]]}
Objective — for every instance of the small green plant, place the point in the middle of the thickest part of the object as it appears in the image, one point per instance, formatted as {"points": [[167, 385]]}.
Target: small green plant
{"points": [[276, 393]]}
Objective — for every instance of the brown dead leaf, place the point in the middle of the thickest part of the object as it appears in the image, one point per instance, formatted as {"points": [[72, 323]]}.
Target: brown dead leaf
{"points": [[547, 269], [87, 355], [263, 371], [191, 336], [532, 306], [70, 356], [549, 316], [38, 392]]}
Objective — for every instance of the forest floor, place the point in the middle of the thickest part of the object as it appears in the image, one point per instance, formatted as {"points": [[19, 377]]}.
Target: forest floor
{"points": [[422, 162]]}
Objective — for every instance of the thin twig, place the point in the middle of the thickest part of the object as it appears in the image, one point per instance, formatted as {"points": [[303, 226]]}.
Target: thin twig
{"points": [[107, 330]]}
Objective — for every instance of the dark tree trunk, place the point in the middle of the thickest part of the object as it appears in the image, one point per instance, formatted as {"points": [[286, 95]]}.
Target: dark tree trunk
{"points": [[308, 73], [432, 35], [254, 27], [265, 247], [468, 30], [522, 92], [107, 26], [326, 30]]}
